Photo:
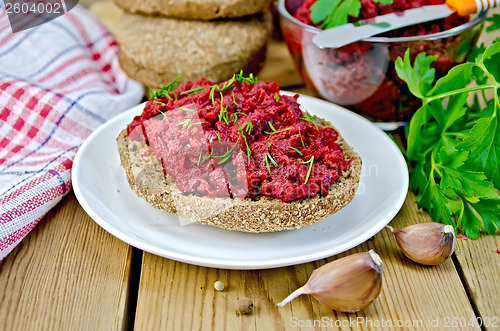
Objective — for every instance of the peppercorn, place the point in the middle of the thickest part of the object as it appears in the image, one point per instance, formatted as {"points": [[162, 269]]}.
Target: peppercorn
{"points": [[244, 305]]}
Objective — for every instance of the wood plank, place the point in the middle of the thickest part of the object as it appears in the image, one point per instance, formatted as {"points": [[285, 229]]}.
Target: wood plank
{"points": [[67, 274], [480, 264], [175, 295], [279, 66]]}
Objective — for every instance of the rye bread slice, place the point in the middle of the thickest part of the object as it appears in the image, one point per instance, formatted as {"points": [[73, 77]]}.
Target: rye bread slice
{"points": [[154, 50], [196, 9], [145, 177]]}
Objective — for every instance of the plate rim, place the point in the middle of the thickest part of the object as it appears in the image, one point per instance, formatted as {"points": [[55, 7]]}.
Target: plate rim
{"points": [[228, 263]]}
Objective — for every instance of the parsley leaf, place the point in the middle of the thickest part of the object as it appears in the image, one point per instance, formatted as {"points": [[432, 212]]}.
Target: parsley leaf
{"points": [[419, 77], [331, 13], [483, 142], [454, 147], [495, 23], [322, 9]]}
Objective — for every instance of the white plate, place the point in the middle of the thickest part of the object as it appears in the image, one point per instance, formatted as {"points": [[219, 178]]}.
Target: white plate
{"points": [[101, 188]]}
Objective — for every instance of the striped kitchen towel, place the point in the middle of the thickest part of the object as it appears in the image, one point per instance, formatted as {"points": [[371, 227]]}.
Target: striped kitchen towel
{"points": [[58, 82]]}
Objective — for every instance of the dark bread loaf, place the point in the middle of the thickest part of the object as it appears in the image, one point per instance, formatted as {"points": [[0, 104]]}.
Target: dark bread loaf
{"points": [[154, 50], [196, 9], [264, 214]]}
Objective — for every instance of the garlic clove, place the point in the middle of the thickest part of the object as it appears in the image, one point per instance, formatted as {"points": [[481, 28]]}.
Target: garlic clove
{"points": [[426, 243], [348, 284]]}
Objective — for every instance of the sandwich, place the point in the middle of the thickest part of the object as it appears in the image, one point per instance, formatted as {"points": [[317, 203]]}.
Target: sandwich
{"points": [[238, 155]]}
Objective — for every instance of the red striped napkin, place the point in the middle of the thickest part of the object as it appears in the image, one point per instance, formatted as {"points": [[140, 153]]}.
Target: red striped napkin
{"points": [[58, 82]]}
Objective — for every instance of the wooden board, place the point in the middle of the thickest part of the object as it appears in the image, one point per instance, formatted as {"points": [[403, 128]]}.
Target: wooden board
{"points": [[67, 274], [411, 293], [480, 264]]}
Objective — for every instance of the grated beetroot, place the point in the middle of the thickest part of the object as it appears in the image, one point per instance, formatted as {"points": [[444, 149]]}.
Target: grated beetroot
{"points": [[261, 143]]}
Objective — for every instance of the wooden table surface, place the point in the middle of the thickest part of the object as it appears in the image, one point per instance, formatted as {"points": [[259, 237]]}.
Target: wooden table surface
{"points": [[70, 274]]}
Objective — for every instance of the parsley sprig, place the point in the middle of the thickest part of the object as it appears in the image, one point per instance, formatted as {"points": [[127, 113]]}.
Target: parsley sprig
{"points": [[454, 147], [331, 13]]}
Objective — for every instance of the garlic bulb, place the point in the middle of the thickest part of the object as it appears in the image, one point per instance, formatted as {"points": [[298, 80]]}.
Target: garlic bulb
{"points": [[348, 284], [426, 243]]}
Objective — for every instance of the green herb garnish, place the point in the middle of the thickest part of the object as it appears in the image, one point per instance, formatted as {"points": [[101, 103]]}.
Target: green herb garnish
{"points": [[187, 109], [301, 139], [310, 162], [495, 23], [160, 103], [309, 119], [164, 116], [455, 147], [223, 114], [187, 123], [234, 116], [331, 13], [250, 79], [295, 149], [211, 95], [165, 90], [277, 97], [234, 100], [209, 156], [227, 155], [193, 91], [267, 158], [249, 151], [199, 158], [274, 130], [247, 126], [228, 84], [277, 131]]}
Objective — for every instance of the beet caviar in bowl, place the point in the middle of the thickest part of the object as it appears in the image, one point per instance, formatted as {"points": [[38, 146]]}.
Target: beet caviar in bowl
{"points": [[361, 76]]}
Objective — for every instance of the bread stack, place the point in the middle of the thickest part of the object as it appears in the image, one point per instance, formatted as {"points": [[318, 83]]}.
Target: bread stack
{"points": [[158, 39]]}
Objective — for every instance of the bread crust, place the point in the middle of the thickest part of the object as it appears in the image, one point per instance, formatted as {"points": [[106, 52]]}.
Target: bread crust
{"points": [[145, 177], [196, 9], [154, 50]]}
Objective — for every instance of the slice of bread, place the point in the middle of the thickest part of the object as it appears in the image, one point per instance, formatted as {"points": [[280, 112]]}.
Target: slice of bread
{"points": [[154, 50], [196, 9], [146, 178]]}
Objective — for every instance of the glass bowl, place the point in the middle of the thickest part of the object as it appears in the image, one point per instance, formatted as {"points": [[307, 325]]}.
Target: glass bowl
{"points": [[361, 76]]}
